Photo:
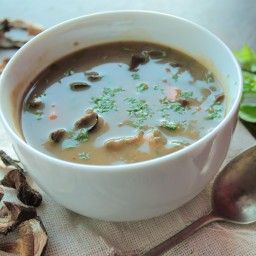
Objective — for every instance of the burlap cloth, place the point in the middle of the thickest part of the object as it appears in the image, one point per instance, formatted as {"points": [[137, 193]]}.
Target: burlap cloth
{"points": [[72, 234]]}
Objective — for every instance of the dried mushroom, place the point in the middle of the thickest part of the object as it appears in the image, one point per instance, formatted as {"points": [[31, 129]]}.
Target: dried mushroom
{"points": [[6, 25], [32, 239], [35, 104], [116, 144], [1, 193], [219, 98], [137, 59], [88, 121], [27, 195], [11, 215], [93, 76], [79, 86], [58, 136], [8, 161]]}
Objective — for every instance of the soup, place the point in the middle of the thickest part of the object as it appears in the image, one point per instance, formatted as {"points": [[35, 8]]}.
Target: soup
{"points": [[121, 102]]}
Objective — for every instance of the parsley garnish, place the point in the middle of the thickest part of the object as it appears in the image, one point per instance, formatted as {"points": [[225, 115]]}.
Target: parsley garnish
{"points": [[215, 111], [139, 110], [186, 94], [142, 87], [84, 156], [82, 136], [135, 76], [169, 125], [106, 102], [175, 77], [39, 115], [170, 105], [156, 87]]}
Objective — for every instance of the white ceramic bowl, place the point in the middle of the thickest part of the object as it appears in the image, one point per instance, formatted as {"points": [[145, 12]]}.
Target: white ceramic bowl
{"points": [[133, 191]]}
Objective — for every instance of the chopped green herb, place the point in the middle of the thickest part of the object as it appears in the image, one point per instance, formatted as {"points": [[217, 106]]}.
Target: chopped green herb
{"points": [[39, 115], [82, 136], [135, 76], [247, 58], [215, 111], [209, 78], [142, 87], [169, 125], [84, 156], [156, 87], [175, 77], [139, 110], [170, 105], [106, 102], [186, 94], [69, 73]]}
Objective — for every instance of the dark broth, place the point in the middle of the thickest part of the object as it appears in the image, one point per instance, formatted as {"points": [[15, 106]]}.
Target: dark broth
{"points": [[163, 105]]}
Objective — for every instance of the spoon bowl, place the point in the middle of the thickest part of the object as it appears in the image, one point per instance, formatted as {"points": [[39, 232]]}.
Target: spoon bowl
{"points": [[233, 199], [234, 189]]}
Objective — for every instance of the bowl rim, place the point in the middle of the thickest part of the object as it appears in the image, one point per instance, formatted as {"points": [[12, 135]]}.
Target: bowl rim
{"points": [[126, 166]]}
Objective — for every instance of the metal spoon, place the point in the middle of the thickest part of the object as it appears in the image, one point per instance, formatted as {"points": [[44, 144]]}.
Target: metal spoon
{"points": [[233, 199]]}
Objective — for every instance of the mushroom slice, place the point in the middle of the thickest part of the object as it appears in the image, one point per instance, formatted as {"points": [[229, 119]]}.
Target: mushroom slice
{"points": [[32, 241], [119, 143], [93, 76], [137, 59], [88, 121], [79, 86], [12, 214], [58, 136], [35, 104], [219, 98], [27, 195], [6, 25], [7, 160]]}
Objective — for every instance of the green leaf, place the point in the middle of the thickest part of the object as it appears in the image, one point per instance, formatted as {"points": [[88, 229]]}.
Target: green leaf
{"points": [[249, 82], [247, 58], [248, 113]]}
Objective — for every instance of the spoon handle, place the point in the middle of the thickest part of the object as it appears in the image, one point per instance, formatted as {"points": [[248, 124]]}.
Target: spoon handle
{"points": [[182, 235]]}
